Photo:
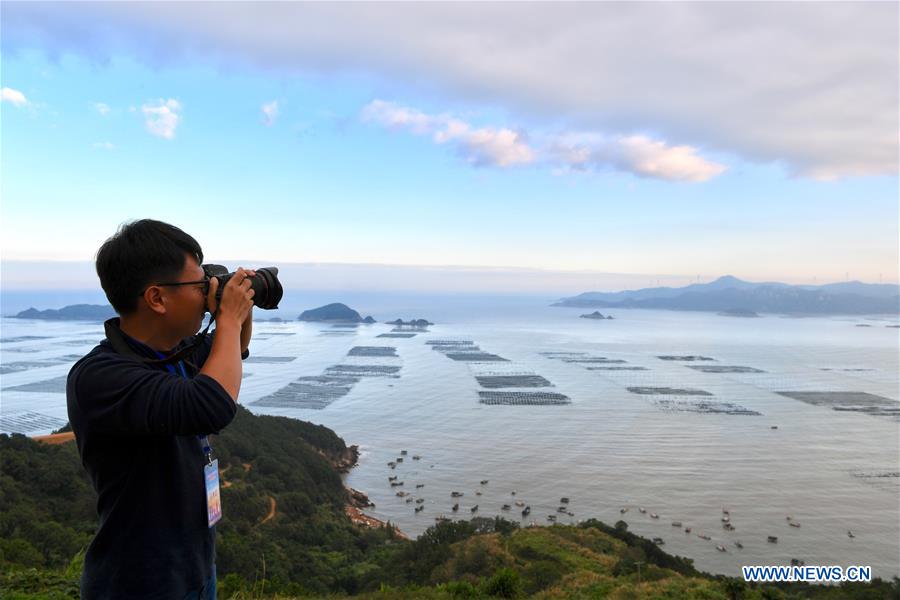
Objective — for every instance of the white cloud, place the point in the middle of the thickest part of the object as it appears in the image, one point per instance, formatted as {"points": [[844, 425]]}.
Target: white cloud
{"points": [[793, 83], [104, 146], [14, 97], [102, 108], [162, 118], [636, 154], [487, 146], [270, 112], [504, 147]]}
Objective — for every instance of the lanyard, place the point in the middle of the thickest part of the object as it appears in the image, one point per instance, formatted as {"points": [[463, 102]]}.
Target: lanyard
{"points": [[204, 440]]}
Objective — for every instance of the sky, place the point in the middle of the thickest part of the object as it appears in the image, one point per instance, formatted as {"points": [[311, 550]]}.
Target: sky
{"points": [[589, 145]]}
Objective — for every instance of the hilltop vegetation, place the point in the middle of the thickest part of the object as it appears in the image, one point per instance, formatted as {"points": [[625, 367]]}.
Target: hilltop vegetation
{"points": [[286, 533]]}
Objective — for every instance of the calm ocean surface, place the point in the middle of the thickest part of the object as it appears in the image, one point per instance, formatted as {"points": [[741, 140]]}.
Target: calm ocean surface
{"points": [[610, 449]]}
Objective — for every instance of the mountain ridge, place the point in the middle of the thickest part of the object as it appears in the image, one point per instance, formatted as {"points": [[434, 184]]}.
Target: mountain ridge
{"points": [[728, 293]]}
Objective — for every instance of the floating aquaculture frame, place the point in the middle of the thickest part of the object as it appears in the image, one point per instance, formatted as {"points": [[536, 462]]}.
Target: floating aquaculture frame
{"points": [[523, 398], [706, 407], [862, 402], [724, 369], [29, 421], [475, 357], [667, 391], [364, 370], [505, 381], [389, 351], [269, 360]]}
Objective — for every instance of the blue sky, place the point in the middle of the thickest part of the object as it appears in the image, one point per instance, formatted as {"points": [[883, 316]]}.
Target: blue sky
{"points": [[338, 153]]}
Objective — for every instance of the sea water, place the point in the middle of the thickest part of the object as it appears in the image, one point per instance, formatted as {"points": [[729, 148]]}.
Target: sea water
{"points": [[609, 449]]}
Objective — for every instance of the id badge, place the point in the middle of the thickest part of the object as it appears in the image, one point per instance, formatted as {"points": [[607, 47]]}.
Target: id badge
{"points": [[213, 499]]}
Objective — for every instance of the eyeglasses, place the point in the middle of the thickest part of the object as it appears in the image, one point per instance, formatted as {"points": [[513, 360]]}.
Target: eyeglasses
{"points": [[205, 283]]}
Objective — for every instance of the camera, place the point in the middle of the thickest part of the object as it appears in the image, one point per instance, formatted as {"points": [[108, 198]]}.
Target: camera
{"points": [[265, 284]]}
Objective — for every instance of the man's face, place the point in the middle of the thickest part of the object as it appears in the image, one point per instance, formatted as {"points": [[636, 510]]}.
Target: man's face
{"points": [[187, 303]]}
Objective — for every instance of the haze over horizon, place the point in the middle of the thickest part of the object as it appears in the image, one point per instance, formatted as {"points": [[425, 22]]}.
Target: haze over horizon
{"points": [[23, 276], [538, 148]]}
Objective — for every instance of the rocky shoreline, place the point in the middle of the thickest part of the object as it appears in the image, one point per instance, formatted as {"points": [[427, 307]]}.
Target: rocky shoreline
{"points": [[357, 501]]}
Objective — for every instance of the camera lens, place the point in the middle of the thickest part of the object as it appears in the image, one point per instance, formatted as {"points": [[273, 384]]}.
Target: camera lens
{"points": [[267, 289]]}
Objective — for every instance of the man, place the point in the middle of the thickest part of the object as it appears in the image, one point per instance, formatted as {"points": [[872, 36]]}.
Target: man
{"points": [[140, 421]]}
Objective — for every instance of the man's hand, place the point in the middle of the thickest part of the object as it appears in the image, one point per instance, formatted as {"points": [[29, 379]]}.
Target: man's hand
{"points": [[237, 298]]}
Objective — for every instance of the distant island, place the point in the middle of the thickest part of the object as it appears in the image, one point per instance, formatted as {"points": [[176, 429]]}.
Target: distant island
{"points": [[334, 312], [74, 312], [411, 324], [741, 298], [596, 315]]}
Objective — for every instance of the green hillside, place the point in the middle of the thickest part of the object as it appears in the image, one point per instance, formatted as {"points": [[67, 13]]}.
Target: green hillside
{"points": [[286, 534]]}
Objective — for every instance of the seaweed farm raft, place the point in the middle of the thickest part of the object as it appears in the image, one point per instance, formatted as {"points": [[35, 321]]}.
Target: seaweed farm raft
{"points": [[315, 392], [373, 351], [523, 398], [506, 381]]}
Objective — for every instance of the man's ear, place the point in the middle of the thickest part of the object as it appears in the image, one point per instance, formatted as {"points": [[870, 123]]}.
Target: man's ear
{"points": [[155, 299]]}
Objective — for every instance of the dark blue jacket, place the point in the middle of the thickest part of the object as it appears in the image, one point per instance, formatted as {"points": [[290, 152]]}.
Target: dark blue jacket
{"points": [[136, 426]]}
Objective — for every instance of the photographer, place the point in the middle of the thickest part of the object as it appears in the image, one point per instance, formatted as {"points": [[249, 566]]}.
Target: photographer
{"points": [[141, 404]]}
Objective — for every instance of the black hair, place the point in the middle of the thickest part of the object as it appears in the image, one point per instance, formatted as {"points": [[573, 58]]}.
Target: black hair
{"points": [[139, 254]]}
